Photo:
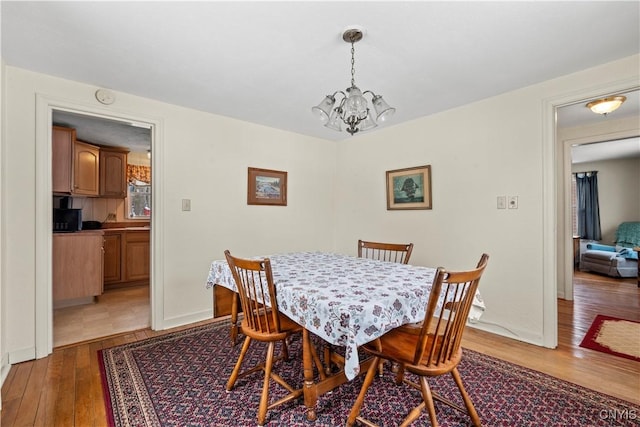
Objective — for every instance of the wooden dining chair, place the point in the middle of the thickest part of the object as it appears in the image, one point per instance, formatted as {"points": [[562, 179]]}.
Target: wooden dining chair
{"points": [[430, 348], [262, 322], [392, 252]]}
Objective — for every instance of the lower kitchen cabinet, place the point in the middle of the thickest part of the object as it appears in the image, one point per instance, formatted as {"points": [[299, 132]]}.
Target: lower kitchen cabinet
{"points": [[77, 260], [127, 258], [112, 257]]}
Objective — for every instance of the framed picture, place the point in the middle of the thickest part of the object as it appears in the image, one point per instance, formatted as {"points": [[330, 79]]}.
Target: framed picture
{"points": [[409, 188], [267, 187]]}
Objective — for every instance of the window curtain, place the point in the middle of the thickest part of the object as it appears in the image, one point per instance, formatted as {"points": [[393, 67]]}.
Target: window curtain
{"points": [[139, 173], [588, 208]]}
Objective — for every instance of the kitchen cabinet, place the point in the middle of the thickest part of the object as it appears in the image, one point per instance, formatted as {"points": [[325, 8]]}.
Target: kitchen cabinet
{"points": [[77, 260], [75, 164], [112, 257], [113, 172], [136, 255], [86, 169], [62, 140], [127, 257]]}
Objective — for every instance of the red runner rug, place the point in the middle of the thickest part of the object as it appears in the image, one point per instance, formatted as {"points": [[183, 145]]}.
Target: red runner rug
{"points": [[615, 336]]}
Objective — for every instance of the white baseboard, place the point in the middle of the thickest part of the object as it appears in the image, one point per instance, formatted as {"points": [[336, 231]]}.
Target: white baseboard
{"points": [[4, 369], [516, 334], [22, 355], [174, 322]]}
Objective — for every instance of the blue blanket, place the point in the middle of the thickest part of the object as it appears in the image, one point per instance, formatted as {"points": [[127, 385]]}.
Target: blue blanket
{"points": [[628, 234]]}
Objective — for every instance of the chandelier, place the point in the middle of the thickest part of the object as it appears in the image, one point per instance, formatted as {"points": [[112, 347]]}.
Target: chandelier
{"points": [[606, 105], [352, 110]]}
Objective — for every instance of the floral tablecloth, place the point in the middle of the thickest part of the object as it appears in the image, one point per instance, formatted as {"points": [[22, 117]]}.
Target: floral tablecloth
{"points": [[347, 301]]}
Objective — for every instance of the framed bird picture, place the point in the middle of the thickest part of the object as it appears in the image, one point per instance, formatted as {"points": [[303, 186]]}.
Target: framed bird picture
{"points": [[409, 188]]}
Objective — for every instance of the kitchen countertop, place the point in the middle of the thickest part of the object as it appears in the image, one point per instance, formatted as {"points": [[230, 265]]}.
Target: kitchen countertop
{"points": [[127, 229]]}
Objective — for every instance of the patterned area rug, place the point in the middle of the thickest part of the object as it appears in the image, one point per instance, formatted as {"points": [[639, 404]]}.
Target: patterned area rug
{"points": [[179, 380], [614, 336]]}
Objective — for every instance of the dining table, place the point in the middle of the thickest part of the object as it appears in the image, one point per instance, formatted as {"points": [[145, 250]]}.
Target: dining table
{"points": [[345, 300]]}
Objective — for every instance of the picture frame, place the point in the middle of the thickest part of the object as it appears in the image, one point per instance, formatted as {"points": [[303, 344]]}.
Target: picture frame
{"points": [[266, 187], [409, 188]]}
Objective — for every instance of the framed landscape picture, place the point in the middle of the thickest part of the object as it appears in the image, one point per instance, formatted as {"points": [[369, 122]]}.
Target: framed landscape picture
{"points": [[409, 188], [267, 187]]}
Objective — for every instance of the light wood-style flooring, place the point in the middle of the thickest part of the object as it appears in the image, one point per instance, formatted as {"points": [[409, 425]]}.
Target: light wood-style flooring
{"points": [[64, 389], [116, 310]]}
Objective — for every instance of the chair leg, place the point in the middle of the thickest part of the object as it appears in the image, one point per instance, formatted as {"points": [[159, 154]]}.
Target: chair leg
{"points": [[378, 346], [427, 397], [371, 373], [236, 370], [264, 399], [399, 373], [285, 349], [465, 396]]}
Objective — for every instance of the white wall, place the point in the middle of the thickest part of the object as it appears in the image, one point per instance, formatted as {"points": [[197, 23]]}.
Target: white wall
{"points": [[203, 157], [618, 195], [497, 146]]}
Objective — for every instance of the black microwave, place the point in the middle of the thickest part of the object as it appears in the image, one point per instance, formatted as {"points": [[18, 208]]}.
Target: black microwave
{"points": [[67, 220]]}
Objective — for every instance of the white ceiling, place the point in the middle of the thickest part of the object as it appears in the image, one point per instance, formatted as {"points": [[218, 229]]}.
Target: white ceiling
{"points": [[270, 62]]}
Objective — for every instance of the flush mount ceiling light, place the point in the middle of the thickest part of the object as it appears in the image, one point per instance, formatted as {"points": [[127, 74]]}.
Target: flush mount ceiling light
{"points": [[352, 110], [606, 105]]}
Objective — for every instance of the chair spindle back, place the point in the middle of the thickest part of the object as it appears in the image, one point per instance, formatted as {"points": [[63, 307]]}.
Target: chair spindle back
{"points": [[391, 252], [441, 334], [254, 280]]}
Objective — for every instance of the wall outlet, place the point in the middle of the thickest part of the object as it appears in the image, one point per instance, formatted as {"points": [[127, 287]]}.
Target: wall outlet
{"points": [[186, 204], [111, 217], [513, 202]]}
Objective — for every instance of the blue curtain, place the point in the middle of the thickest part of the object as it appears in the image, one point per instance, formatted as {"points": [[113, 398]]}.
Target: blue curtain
{"points": [[588, 208]]}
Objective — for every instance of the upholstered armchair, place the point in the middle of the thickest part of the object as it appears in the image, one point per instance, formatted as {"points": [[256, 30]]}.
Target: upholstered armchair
{"points": [[615, 261]]}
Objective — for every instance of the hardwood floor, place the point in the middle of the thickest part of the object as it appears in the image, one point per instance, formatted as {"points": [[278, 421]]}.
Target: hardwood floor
{"points": [[64, 389]]}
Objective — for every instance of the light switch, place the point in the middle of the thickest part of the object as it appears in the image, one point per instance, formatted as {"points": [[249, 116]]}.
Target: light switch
{"points": [[513, 202], [186, 204], [502, 202]]}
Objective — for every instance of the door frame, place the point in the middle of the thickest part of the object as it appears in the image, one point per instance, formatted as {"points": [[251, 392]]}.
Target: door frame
{"points": [[557, 245], [558, 242], [45, 105]]}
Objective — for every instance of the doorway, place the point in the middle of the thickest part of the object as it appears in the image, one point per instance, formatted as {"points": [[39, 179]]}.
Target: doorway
{"points": [[124, 176], [45, 106], [590, 139], [124, 303]]}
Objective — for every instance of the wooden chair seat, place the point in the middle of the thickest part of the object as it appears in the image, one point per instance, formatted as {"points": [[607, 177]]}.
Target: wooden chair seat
{"points": [[400, 346], [429, 348], [287, 327]]}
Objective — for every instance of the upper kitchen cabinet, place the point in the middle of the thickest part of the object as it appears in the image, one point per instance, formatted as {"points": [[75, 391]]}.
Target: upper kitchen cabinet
{"points": [[62, 155], [75, 164], [113, 172], [86, 169]]}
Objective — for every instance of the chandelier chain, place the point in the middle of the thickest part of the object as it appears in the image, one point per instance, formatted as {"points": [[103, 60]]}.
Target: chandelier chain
{"points": [[353, 66]]}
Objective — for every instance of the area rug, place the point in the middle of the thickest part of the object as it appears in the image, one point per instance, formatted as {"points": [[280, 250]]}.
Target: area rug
{"points": [[179, 380], [614, 336]]}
